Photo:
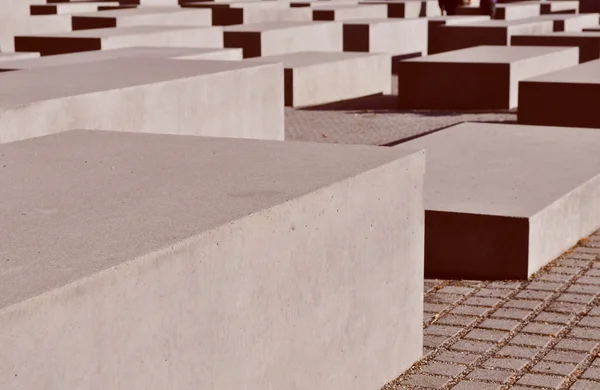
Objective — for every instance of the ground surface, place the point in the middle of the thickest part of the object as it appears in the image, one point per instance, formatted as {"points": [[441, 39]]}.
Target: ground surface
{"points": [[481, 335]]}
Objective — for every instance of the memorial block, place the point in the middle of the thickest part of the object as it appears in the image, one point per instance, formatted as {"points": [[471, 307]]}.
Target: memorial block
{"points": [[408, 8], [435, 44], [587, 42], [143, 16], [349, 12]]}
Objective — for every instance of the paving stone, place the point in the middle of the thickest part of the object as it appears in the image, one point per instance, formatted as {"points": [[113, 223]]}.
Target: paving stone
{"points": [[443, 369], [553, 318], [589, 280], [499, 324], [585, 385], [595, 311], [543, 329], [443, 298], [576, 263], [530, 340], [534, 294], [575, 298], [552, 277], [469, 310], [450, 319], [433, 341], [523, 304], [434, 307], [584, 289], [554, 368], [493, 293], [510, 363], [428, 316], [490, 375], [515, 351], [565, 307], [593, 272], [576, 345], [563, 270], [440, 330], [472, 346], [456, 290], [592, 373], [482, 301], [541, 380], [565, 356], [516, 314], [486, 335], [457, 357], [592, 322], [585, 333], [474, 385], [540, 285], [429, 381]]}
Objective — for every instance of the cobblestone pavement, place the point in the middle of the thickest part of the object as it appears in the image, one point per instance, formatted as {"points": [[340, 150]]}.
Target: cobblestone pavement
{"points": [[538, 334]]}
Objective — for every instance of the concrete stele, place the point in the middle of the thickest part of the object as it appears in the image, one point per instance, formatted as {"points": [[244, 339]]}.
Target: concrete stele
{"points": [[143, 16], [587, 42]]}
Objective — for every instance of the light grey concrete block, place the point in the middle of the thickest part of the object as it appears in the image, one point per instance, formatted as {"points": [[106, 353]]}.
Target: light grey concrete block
{"points": [[11, 57], [120, 37], [212, 98], [517, 10], [313, 78], [589, 6], [408, 8], [570, 22], [502, 201], [143, 16], [227, 13], [564, 98], [587, 42], [435, 43], [559, 7], [41, 24], [154, 262], [349, 12], [483, 77], [70, 8], [274, 38]]}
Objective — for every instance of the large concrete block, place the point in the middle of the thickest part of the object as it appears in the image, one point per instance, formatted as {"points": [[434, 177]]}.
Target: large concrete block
{"points": [[135, 52], [587, 42], [589, 6], [517, 10], [491, 32], [313, 78], [559, 7], [143, 16], [571, 22], [349, 12], [11, 57], [408, 8], [502, 201], [397, 37], [247, 12], [120, 37], [273, 38], [435, 43], [212, 98], [484, 77], [40, 24], [592, 29], [152, 262], [565, 98]]}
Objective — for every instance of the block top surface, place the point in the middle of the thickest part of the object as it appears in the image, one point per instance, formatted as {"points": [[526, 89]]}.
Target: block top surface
{"points": [[492, 54], [586, 73], [500, 23], [17, 56], [308, 58], [564, 34], [117, 31], [270, 26], [141, 11], [372, 21], [56, 82], [592, 29], [80, 202], [450, 20], [506, 170]]}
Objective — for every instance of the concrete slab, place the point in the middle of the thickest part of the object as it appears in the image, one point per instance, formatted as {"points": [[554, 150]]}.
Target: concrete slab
{"points": [[17, 56], [559, 7], [349, 12], [565, 98], [103, 262], [120, 37], [143, 16], [592, 29], [435, 44], [135, 52], [502, 201], [408, 8], [41, 24], [483, 77], [587, 42], [247, 12], [492, 32], [274, 38], [313, 78], [70, 8], [397, 37], [517, 10], [571, 22], [212, 98]]}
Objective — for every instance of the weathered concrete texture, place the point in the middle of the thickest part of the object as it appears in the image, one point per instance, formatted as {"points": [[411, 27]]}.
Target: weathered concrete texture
{"points": [[273, 38], [502, 201], [565, 98], [212, 98], [397, 37], [227, 13], [120, 37], [435, 44], [17, 56], [587, 42], [409, 8], [143, 16], [517, 10], [491, 32], [242, 264], [487, 77], [313, 78], [135, 52], [349, 12]]}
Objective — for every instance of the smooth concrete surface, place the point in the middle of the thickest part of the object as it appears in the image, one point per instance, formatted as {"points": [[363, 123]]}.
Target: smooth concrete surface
{"points": [[313, 78], [408, 8], [154, 262], [565, 98], [397, 37], [274, 38], [136, 52], [349, 12], [120, 37], [40, 24], [211, 98], [70, 8], [570, 22], [143, 16], [587, 42], [502, 200], [435, 44], [491, 32], [11, 57], [560, 7], [483, 77], [592, 29], [227, 13], [517, 10]]}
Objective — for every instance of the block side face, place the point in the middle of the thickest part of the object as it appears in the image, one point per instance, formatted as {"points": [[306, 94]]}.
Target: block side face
{"points": [[356, 38], [364, 234], [563, 223], [86, 23], [589, 48], [475, 247], [288, 75], [249, 42], [52, 46], [404, 38], [312, 37]]}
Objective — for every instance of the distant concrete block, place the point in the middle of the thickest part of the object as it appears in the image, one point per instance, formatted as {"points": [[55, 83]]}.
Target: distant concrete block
{"points": [[227, 13], [274, 38], [592, 29], [70, 8], [313, 78], [135, 52], [587, 42], [484, 77], [143, 16], [491, 32], [349, 12], [226, 264], [502, 201], [408, 8], [120, 37], [559, 7], [435, 43], [570, 22], [211, 98], [397, 37], [564, 98], [517, 10]]}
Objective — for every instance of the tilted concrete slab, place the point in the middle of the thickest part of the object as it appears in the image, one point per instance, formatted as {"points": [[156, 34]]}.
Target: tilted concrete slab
{"points": [[225, 263], [436, 45], [349, 12], [408, 8], [11, 57], [483, 77], [143, 16], [502, 201], [136, 52], [565, 98], [587, 42], [212, 98], [397, 37], [313, 78], [274, 38], [491, 32]]}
